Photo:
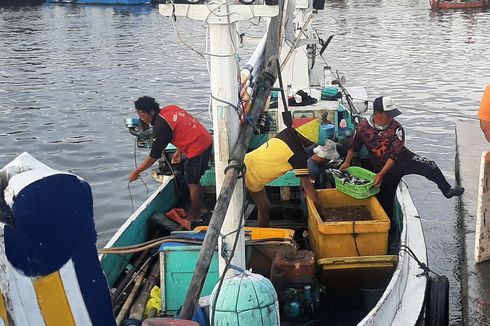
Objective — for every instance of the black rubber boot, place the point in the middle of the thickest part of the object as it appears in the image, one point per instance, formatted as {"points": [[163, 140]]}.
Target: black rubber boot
{"points": [[454, 191]]}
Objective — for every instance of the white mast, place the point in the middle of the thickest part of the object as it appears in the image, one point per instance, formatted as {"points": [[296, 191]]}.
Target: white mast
{"points": [[294, 57], [225, 81]]}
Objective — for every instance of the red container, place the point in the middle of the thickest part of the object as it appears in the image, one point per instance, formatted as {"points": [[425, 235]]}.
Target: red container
{"points": [[293, 266], [168, 322]]}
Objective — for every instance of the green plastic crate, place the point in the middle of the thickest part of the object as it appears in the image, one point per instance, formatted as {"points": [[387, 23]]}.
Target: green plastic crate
{"points": [[358, 191], [177, 265]]}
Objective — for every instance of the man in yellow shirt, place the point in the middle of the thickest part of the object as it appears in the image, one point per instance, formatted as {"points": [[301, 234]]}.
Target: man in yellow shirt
{"points": [[484, 113], [280, 154]]}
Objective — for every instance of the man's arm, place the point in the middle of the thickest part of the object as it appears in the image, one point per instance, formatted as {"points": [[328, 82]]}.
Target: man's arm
{"points": [[312, 194], [355, 145], [380, 175], [177, 157], [348, 159], [485, 127], [142, 167]]}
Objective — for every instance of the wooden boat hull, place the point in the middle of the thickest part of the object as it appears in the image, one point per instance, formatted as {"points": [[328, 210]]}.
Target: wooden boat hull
{"points": [[403, 301], [435, 4], [50, 273], [136, 229]]}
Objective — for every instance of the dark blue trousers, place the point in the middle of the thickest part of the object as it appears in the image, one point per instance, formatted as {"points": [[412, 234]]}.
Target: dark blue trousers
{"points": [[417, 165]]}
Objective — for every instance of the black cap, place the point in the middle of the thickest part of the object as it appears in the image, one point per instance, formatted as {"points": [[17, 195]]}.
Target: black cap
{"points": [[386, 104]]}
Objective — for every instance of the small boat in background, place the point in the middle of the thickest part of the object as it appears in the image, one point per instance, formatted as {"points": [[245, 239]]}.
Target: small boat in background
{"points": [[104, 2], [457, 4]]}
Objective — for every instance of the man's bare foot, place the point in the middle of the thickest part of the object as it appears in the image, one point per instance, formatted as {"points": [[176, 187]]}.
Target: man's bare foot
{"points": [[193, 219]]}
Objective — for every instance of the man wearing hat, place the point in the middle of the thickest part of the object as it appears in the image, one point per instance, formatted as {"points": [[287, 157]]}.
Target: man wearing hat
{"points": [[384, 139], [278, 155], [322, 155]]}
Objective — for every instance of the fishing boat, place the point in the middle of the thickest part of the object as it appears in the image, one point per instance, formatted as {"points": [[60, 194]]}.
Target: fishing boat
{"points": [[225, 269], [457, 4]]}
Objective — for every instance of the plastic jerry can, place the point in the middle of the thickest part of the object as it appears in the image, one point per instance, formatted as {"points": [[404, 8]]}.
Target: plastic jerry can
{"points": [[293, 266]]}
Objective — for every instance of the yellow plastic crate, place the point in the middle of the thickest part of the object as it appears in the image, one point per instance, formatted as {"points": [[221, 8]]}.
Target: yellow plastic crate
{"points": [[254, 233], [346, 238], [353, 274]]}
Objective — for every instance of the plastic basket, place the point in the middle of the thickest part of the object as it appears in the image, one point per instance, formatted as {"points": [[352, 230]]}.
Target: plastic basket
{"points": [[358, 191]]}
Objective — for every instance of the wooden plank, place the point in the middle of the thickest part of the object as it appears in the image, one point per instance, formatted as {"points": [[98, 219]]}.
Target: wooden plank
{"points": [[282, 224], [482, 232]]}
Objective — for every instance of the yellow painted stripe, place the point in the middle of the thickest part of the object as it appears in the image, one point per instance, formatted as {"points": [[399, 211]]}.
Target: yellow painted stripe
{"points": [[52, 300], [3, 310], [301, 172]]}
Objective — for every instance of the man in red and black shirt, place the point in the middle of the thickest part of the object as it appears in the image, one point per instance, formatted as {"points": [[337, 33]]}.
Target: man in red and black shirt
{"points": [[384, 139], [172, 124]]}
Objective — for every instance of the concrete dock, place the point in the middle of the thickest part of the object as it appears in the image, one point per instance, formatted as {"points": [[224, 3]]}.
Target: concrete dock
{"points": [[470, 144]]}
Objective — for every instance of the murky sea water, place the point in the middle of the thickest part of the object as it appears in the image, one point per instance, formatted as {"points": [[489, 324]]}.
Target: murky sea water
{"points": [[69, 75]]}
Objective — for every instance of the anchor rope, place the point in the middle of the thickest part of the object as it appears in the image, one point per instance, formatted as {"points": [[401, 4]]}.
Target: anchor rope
{"points": [[422, 265], [144, 173], [354, 236]]}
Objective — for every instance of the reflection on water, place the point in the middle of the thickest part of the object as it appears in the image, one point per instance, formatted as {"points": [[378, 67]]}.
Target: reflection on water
{"points": [[70, 73]]}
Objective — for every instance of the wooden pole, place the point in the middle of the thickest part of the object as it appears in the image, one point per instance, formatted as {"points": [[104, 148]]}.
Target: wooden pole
{"points": [[261, 95], [129, 276], [265, 83], [139, 305], [134, 291]]}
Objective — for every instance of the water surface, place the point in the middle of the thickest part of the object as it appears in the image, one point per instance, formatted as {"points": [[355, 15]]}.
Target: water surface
{"points": [[69, 75]]}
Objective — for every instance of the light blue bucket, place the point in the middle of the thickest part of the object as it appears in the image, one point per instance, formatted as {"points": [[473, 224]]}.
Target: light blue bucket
{"points": [[327, 130]]}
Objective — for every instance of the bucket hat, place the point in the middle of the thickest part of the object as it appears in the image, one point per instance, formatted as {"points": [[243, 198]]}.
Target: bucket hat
{"points": [[327, 151]]}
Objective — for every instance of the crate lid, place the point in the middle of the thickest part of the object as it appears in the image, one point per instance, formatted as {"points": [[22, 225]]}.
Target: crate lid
{"points": [[358, 262]]}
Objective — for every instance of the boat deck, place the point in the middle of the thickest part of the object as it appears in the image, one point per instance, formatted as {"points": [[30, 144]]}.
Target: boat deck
{"points": [[475, 277]]}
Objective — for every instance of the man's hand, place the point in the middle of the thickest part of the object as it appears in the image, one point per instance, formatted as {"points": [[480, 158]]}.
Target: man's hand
{"points": [[142, 167], [177, 157], [134, 176], [348, 159], [378, 179], [344, 165]]}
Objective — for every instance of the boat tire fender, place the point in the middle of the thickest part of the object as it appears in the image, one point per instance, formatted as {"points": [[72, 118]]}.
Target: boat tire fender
{"points": [[437, 301]]}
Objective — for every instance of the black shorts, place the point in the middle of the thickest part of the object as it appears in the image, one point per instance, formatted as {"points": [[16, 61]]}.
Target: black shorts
{"points": [[195, 167]]}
